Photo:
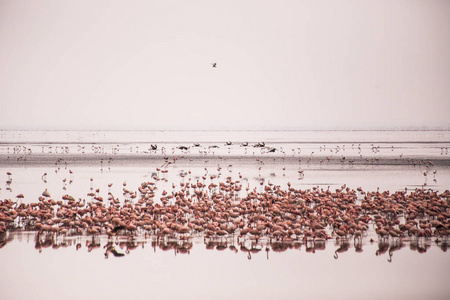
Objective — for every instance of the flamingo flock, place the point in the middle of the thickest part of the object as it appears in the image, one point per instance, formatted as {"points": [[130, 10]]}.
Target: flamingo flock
{"points": [[219, 213], [227, 214]]}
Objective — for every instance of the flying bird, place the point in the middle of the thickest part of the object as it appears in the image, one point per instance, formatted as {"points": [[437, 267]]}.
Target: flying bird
{"points": [[214, 65]]}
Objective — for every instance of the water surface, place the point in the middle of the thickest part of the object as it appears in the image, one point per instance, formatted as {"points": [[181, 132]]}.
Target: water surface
{"points": [[77, 267]]}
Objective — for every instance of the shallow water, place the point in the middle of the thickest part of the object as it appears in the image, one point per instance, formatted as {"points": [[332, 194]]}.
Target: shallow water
{"points": [[56, 268], [201, 274]]}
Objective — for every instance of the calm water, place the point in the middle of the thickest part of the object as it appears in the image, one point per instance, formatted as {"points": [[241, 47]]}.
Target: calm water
{"points": [[76, 267]]}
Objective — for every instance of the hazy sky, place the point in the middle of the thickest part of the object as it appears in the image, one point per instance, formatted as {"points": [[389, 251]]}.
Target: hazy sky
{"points": [[280, 64]]}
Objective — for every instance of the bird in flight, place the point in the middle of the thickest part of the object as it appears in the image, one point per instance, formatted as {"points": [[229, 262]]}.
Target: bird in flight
{"points": [[214, 65]]}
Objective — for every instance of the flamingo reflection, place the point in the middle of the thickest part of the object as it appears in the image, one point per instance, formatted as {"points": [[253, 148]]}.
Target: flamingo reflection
{"points": [[344, 246]]}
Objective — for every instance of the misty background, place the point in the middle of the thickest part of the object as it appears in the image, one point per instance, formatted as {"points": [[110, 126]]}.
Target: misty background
{"points": [[280, 64]]}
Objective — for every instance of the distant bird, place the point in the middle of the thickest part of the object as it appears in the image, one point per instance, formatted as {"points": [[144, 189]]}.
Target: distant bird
{"points": [[214, 65]]}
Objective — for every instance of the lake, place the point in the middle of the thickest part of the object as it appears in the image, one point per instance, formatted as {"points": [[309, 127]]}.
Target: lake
{"points": [[89, 165]]}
